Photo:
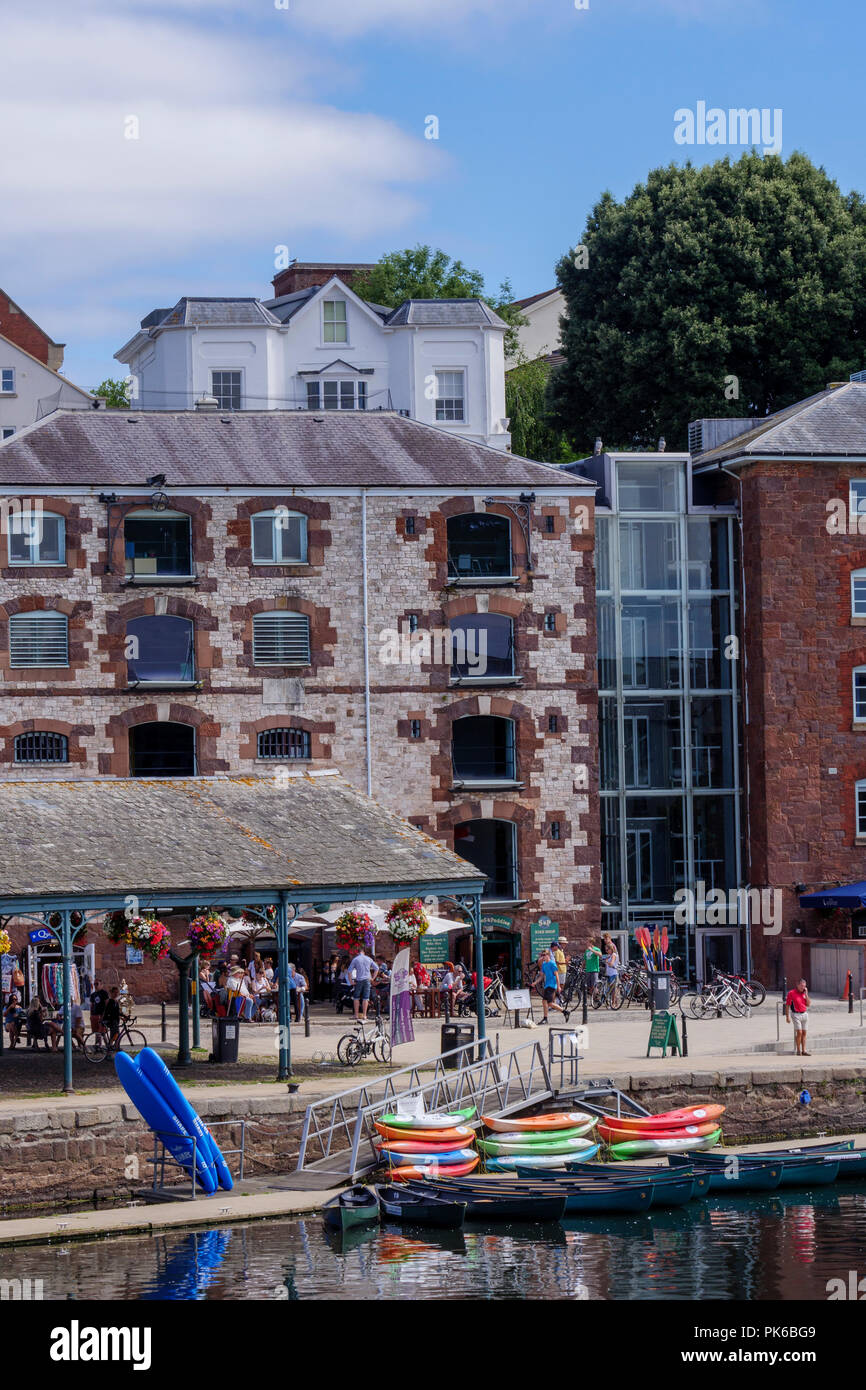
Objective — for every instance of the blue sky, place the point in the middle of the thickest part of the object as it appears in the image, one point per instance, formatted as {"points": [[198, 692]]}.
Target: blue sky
{"points": [[303, 125]]}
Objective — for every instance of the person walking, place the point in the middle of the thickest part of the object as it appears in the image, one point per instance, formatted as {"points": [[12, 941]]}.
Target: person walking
{"points": [[550, 982], [363, 971], [797, 1009], [558, 956]]}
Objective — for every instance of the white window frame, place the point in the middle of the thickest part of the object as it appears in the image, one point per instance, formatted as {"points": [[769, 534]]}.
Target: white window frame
{"points": [[21, 521], [335, 322], [438, 397], [7, 431], [359, 393], [857, 496], [4, 389], [860, 809], [27, 624], [235, 371], [858, 577], [279, 531], [859, 705], [261, 636]]}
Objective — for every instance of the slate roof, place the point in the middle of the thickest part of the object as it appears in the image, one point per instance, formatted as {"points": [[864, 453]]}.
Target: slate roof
{"points": [[260, 448], [832, 422], [189, 312], [534, 298], [144, 836], [444, 313]]}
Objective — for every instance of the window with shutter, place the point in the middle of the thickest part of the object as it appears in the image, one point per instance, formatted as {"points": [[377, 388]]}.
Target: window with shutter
{"points": [[281, 639], [39, 639]]}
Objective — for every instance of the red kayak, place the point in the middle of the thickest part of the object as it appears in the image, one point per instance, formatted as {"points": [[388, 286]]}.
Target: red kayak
{"points": [[432, 1170], [613, 1133], [669, 1119]]}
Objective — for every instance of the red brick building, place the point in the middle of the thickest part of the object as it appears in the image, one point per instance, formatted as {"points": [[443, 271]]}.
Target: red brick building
{"points": [[20, 329]]}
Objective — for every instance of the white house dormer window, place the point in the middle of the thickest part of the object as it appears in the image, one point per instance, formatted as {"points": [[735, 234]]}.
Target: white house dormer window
{"points": [[336, 395], [334, 323], [450, 397], [227, 387]]}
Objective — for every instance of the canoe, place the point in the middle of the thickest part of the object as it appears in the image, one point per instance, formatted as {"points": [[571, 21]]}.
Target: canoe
{"points": [[396, 1158], [668, 1119], [504, 1148], [418, 1146], [454, 1134], [751, 1177], [507, 1163], [598, 1197], [356, 1206], [434, 1120], [637, 1172], [670, 1190], [539, 1142], [612, 1134], [539, 1123], [810, 1172], [402, 1204], [639, 1148], [505, 1205], [409, 1171]]}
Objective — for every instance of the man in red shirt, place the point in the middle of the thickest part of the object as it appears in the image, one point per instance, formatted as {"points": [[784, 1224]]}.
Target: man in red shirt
{"points": [[796, 1008]]}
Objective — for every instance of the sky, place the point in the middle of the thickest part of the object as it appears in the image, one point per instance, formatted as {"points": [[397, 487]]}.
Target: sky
{"points": [[155, 148]]}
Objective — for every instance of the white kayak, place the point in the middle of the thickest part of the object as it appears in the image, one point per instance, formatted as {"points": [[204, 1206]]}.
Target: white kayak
{"points": [[507, 1163]]}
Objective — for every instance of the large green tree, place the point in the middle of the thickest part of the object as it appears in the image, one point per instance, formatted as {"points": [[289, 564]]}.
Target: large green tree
{"points": [[115, 390], [532, 434], [730, 289], [421, 273]]}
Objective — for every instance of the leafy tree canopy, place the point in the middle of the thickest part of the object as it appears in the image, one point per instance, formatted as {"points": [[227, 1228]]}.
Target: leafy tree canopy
{"points": [[731, 289], [115, 391], [532, 434]]}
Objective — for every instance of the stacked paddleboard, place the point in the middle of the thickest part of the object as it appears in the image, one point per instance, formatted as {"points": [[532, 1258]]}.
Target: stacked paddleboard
{"points": [[427, 1146], [538, 1141], [160, 1101], [675, 1131]]}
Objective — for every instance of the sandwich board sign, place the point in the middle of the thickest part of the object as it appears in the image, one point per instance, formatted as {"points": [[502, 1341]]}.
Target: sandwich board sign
{"points": [[664, 1034]]}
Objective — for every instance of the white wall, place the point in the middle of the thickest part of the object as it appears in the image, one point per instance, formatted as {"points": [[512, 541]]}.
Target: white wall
{"points": [[34, 382], [541, 335]]}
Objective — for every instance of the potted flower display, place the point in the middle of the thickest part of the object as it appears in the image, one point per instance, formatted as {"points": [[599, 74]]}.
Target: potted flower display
{"points": [[355, 931], [207, 933], [406, 920], [144, 933]]}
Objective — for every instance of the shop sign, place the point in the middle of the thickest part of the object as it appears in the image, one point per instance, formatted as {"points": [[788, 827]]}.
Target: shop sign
{"points": [[496, 922], [433, 950], [541, 933], [134, 955], [40, 934]]}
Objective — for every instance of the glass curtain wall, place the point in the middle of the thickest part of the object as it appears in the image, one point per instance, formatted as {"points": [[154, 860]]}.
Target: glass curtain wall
{"points": [[669, 767]]}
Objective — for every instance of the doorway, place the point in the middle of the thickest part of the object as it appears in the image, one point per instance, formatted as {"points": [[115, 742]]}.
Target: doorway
{"points": [[717, 950], [502, 951], [162, 750]]}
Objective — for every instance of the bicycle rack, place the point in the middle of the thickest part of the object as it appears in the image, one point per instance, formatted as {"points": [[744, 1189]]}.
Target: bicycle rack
{"points": [[159, 1192]]}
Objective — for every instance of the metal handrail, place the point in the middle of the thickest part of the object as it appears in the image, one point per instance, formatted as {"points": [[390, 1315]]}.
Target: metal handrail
{"points": [[507, 1077]]}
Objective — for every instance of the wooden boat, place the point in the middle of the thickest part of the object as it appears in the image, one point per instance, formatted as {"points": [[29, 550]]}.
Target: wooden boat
{"points": [[540, 1124], [611, 1132], [407, 1172], [746, 1177], [503, 1147], [402, 1204], [356, 1206], [642, 1125], [592, 1197], [434, 1120], [454, 1134], [640, 1148]]}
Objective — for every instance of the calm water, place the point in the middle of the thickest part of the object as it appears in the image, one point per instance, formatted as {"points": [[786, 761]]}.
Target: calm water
{"points": [[763, 1247]]}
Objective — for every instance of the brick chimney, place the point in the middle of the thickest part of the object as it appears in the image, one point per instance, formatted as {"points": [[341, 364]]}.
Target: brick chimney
{"points": [[302, 275]]}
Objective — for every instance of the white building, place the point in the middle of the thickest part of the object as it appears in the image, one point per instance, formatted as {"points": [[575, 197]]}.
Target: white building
{"points": [[29, 390], [324, 348], [540, 335]]}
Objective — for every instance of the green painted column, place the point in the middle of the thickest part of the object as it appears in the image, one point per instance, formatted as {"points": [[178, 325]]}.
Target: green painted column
{"points": [[66, 952], [285, 1042], [479, 974]]}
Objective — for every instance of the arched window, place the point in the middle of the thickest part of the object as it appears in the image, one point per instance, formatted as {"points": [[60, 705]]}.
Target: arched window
{"points": [[41, 747], [157, 545], [37, 538], [279, 537], [482, 748], [479, 546], [281, 639], [491, 845], [859, 679], [162, 750], [482, 647], [283, 744], [159, 650], [39, 639], [858, 593]]}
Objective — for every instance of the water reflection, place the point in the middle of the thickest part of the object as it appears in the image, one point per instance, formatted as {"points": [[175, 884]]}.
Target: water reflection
{"points": [[774, 1246]]}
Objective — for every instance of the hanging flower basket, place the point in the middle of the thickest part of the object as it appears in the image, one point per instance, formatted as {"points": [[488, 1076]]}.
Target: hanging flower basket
{"points": [[207, 933], [5, 943], [144, 933], [406, 920], [355, 931]]}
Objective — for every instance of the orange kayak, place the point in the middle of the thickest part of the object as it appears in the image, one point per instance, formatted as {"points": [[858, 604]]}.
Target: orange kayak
{"points": [[458, 1134], [539, 1123], [433, 1170], [669, 1119], [612, 1133]]}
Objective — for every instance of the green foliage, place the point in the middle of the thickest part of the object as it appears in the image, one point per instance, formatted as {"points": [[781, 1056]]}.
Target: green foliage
{"points": [[754, 271], [115, 391], [533, 435]]}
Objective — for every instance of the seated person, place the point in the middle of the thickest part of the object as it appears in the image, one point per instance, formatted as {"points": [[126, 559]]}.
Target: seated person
{"points": [[36, 1025], [14, 1019]]}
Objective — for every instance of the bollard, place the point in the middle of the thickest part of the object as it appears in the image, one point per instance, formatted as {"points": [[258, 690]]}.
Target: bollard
{"points": [[685, 1037], [850, 993], [584, 1016], [162, 1035], [446, 1004]]}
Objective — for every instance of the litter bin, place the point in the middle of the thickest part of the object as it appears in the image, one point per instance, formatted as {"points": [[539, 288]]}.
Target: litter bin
{"points": [[660, 990], [225, 1040], [457, 1035]]}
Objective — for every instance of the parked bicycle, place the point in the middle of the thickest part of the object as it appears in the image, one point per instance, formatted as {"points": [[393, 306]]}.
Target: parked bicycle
{"points": [[98, 1046], [718, 996], [608, 993], [368, 1039], [752, 991]]}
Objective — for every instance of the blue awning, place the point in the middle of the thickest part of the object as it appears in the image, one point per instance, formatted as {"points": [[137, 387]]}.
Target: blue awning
{"points": [[851, 897]]}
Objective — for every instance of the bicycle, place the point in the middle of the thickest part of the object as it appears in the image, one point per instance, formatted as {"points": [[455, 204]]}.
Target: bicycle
{"points": [[354, 1047], [716, 996], [752, 991], [98, 1045], [607, 994]]}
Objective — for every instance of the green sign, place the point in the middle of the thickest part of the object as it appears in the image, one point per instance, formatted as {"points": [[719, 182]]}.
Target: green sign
{"points": [[541, 933], [433, 950], [492, 922], [663, 1034]]}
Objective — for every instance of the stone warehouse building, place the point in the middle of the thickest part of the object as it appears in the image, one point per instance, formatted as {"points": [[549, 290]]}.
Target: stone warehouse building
{"points": [[203, 592]]}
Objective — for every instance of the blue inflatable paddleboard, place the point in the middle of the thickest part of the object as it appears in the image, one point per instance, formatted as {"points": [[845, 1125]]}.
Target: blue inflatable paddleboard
{"points": [[151, 1065], [159, 1115]]}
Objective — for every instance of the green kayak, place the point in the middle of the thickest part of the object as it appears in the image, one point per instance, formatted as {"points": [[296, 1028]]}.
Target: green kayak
{"points": [[500, 1146], [520, 1139]]}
